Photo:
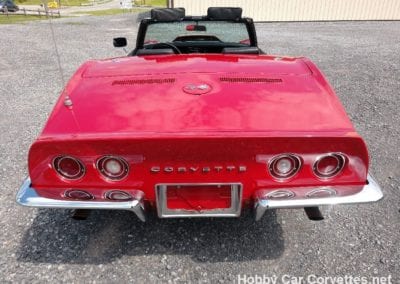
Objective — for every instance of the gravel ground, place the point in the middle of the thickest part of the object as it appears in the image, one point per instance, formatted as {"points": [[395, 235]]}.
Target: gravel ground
{"points": [[361, 60]]}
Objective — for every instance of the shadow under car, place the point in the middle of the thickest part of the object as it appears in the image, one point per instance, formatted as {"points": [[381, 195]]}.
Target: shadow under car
{"points": [[109, 235]]}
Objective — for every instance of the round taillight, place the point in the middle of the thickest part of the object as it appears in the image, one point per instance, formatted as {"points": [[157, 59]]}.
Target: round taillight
{"points": [[69, 167], [118, 195], [284, 166], [329, 165], [78, 194], [114, 168]]}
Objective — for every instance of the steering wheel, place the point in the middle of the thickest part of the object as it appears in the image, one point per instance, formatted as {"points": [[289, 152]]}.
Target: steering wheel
{"points": [[171, 45]]}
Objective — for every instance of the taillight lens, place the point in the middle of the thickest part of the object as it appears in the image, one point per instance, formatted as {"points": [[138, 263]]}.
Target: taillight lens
{"points": [[114, 168], [78, 194], [284, 166], [69, 167], [329, 165]]}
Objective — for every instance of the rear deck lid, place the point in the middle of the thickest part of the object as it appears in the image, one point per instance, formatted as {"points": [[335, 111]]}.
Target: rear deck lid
{"points": [[185, 94]]}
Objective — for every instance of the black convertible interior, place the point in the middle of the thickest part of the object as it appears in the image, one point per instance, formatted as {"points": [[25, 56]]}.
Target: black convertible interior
{"points": [[169, 31]]}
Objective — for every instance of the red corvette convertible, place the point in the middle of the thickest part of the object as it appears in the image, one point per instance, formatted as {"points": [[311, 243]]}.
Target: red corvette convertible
{"points": [[198, 122]]}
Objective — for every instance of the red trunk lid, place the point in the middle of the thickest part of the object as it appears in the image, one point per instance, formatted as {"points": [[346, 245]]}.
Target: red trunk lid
{"points": [[160, 94]]}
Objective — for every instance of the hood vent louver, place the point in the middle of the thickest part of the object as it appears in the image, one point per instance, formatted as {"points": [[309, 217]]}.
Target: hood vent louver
{"points": [[249, 80], [144, 81]]}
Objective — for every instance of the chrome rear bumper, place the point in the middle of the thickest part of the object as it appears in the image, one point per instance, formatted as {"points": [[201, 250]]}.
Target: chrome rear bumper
{"points": [[27, 196], [371, 192]]}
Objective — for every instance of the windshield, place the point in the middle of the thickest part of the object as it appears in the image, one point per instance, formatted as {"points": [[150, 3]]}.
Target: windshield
{"points": [[228, 32]]}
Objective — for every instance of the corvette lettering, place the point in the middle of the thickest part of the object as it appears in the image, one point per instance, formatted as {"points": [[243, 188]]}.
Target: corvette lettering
{"points": [[196, 169]]}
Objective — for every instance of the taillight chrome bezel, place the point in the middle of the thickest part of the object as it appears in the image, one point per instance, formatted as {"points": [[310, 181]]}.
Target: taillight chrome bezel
{"points": [[56, 166], [100, 166], [295, 160], [321, 193], [281, 194], [341, 159], [68, 194], [109, 195]]}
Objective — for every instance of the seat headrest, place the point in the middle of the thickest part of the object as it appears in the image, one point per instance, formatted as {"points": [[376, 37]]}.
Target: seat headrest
{"points": [[167, 14], [224, 13]]}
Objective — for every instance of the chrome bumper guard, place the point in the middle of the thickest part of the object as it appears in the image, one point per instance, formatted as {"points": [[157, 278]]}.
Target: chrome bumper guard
{"points": [[27, 196], [371, 192]]}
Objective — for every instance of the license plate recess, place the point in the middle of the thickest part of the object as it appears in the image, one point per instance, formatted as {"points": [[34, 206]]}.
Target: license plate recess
{"points": [[198, 200]]}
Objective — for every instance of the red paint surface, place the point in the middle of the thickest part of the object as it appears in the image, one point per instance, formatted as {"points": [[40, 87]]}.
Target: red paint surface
{"points": [[302, 102], [135, 107]]}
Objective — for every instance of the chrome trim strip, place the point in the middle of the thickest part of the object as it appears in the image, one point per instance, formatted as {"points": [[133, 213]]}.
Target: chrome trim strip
{"points": [[371, 192], [27, 196], [233, 211]]}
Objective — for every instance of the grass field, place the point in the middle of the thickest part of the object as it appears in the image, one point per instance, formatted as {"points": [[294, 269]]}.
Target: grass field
{"points": [[14, 19], [161, 3], [63, 2], [109, 12]]}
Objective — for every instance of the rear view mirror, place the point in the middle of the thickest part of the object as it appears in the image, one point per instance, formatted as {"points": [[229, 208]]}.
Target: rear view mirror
{"points": [[196, 28], [120, 42]]}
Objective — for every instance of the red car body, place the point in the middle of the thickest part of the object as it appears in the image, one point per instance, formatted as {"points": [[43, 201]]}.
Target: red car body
{"points": [[199, 124]]}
